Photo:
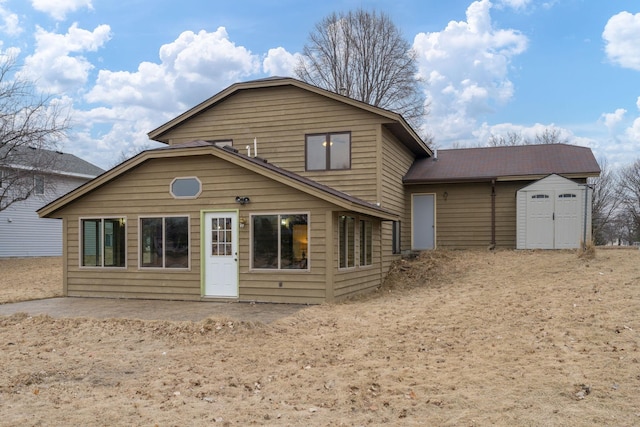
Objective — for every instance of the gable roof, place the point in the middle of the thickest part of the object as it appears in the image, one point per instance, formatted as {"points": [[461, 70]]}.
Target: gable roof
{"points": [[396, 123], [258, 165], [61, 163], [522, 162]]}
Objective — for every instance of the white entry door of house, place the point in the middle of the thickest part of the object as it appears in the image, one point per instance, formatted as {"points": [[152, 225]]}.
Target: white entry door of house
{"points": [[423, 222], [221, 254]]}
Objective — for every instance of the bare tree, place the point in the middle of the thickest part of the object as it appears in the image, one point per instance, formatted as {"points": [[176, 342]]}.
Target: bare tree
{"points": [[31, 126], [606, 202], [547, 136], [363, 55], [511, 138], [629, 185]]}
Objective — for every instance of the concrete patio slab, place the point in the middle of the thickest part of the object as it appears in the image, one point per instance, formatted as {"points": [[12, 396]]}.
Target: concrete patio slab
{"points": [[104, 308]]}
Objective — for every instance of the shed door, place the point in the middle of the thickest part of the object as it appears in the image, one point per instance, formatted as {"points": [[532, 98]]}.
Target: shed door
{"points": [[540, 220], [221, 254], [567, 223], [423, 222]]}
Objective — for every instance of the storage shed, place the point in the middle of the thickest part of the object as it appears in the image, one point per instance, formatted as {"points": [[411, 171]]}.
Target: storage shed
{"points": [[553, 213]]}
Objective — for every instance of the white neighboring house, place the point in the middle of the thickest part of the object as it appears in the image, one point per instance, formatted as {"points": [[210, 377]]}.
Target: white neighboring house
{"points": [[22, 232]]}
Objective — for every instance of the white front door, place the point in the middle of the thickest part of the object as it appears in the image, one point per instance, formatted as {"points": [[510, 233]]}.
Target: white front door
{"points": [[221, 254]]}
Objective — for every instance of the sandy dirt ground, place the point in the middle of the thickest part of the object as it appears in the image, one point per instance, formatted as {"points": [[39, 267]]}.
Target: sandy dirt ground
{"points": [[460, 338]]}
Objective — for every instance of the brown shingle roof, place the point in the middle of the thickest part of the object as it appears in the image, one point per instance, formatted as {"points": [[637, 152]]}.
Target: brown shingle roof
{"points": [[514, 162]]}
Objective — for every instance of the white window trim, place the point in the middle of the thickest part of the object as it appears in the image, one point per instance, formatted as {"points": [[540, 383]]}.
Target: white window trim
{"points": [[279, 269], [163, 268]]}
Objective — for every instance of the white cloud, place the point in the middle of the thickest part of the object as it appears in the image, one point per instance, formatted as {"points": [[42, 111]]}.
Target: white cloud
{"points": [[58, 9], [515, 4], [57, 64], [190, 69], [466, 68], [611, 120], [621, 35], [9, 22], [279, 62]]}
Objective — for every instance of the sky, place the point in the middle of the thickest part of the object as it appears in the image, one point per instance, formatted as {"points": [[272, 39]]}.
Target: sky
{"points": [[123, 68]]}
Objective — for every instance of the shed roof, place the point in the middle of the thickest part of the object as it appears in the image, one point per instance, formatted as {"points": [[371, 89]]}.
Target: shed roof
{"points": [[396, 123], [254, 164], [504, 163]]}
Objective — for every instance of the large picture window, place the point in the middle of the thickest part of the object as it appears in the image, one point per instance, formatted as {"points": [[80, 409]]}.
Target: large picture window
{"points": [[328, 151], [280, 241], [164, 242], [347, 241], [103, 242]]}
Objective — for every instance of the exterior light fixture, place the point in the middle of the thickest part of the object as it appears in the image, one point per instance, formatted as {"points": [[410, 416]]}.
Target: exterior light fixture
{"points": [[243, 200], [445, 195]]}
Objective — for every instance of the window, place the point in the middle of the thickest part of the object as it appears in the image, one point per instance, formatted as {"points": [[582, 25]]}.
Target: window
{"points": [[38, 185], [185, 188], [540, 196], [347, 249], [366, 246], [103, 242], [395, 238], [164, 242], [280, 241], [328, 151], [566, 196]]}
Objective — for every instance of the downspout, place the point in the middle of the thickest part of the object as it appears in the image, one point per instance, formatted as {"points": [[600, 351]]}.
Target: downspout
{"points": [[493, 214]]}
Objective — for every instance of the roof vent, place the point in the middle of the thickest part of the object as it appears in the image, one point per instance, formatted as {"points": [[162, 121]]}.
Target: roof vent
{"points": [[435, 155]]}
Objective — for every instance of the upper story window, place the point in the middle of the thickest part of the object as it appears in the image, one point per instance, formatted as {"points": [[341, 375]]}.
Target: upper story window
{"points": [[38, 185], [328, 151]]}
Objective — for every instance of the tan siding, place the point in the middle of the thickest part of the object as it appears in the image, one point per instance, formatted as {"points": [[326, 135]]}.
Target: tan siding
{"points": [[145, 191], [463, 220], [396, 161], [360, 279], [280, 118]]}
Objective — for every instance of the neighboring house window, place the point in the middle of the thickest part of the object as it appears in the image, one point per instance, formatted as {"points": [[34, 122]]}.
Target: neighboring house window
{"points": [[395, 238], [38, 185], [328, 151], [103, 242], [280, 241], [366, 245], [347, 241], [186, 188], [164, 242]]}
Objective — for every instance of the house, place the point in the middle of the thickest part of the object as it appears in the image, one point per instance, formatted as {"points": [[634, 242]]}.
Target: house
{"points": [[466, 198], [22, 232], [272, 190]]}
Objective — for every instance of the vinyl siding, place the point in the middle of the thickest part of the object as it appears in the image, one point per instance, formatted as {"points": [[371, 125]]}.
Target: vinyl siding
{"points": [[463, 220], [279, 118], [24, 234], [145, 191]]}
